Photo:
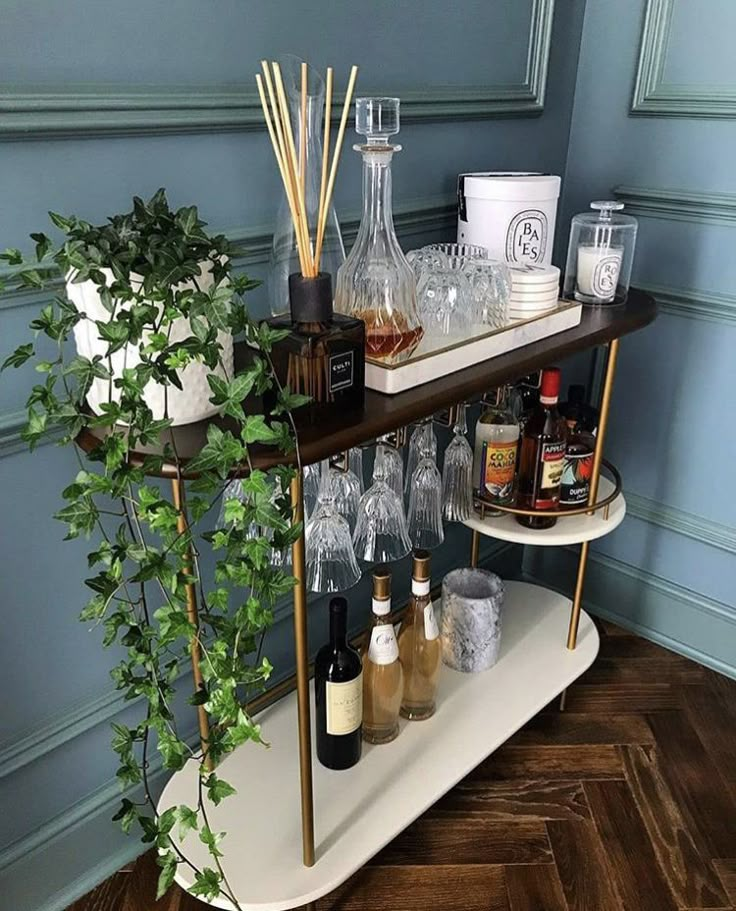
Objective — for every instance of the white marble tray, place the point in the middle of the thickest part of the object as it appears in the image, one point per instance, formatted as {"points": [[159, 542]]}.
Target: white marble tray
{"points": [[426, 365]]}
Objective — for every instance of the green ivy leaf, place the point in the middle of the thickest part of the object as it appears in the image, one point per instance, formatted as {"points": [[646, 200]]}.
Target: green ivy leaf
{"points": [[206, 883], [218, 789], [43, 245], [168, 863], [126, 815], [21, 354], [188, 820]]}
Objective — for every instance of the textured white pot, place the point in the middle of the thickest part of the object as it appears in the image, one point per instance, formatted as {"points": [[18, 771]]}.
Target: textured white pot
{"points": [[186, 405]]}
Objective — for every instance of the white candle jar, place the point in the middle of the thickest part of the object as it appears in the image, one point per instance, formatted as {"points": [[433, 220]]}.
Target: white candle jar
{"points": [[600, 255]]}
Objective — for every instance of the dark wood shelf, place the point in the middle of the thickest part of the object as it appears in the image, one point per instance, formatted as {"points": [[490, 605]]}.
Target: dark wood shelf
{"points": [[385, 413]]}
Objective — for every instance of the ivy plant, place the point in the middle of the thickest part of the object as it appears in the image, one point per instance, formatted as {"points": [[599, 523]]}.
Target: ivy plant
{"points": [[141, 560]]}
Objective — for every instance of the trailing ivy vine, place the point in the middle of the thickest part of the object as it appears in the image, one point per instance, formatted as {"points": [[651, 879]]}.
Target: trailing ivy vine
{"points": [[142, 561]]}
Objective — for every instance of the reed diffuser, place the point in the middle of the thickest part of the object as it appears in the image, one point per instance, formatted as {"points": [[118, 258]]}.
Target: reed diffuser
{"points": [[323, 354]]}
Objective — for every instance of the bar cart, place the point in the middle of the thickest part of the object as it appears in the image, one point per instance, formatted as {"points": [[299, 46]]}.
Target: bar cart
{"points": [[277, 858]]}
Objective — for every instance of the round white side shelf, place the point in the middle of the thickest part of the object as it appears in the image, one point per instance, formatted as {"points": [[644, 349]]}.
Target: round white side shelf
{"points": [[358, 811], [568, 530]]}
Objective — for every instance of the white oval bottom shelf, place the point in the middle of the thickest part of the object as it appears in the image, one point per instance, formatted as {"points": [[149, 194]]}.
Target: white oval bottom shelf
{"points": [[358, 811], [568, 530]]}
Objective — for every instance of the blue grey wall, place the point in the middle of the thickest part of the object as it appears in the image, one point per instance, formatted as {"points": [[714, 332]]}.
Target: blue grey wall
{"points": [[102, 101], [654, 121]]}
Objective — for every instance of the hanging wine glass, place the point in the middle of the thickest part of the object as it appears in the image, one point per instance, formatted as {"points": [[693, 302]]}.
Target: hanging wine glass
{"points": [[457, 474], [346, 494], [381, 534], [355, 464], [423, 434], [393, 466], [330, 559], [425, 503]]}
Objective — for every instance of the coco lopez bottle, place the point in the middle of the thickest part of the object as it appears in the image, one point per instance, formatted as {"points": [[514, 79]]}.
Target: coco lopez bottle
{"points": [[323, 354], [338, 687], [383, 678], [543, 446], [419, 645]]}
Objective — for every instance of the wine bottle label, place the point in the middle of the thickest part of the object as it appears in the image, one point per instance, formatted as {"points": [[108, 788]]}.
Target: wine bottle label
{"points": [[499, 466], [577, 469], [420, 587], [345, 706], [431, 630], [551, 457], [383, 647]]}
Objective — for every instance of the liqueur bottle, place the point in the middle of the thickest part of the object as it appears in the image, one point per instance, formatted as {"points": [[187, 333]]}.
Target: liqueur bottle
{"points": [[578, 414], [383, 678], [577, 468], [543, 446], [322, 355], [376, 283], [338, 687], [496, 444], [419, 645]]}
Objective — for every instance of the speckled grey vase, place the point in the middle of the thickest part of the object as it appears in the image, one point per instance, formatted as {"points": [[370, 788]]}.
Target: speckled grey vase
{"points": [[472, 601]]}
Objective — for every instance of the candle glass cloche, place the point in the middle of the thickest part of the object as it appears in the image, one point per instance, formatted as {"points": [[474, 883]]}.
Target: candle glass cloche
{"points": [[600, 255]]}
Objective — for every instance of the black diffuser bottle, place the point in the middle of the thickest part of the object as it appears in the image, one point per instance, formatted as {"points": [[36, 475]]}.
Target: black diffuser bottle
{"points": [[323, 356], [338, 685]]}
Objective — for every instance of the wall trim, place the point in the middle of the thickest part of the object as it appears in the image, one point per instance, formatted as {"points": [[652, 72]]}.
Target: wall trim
{"points": [[653, 96], [90, 110], [699, 528], [691, 303], [636, 599], [679, 205]]}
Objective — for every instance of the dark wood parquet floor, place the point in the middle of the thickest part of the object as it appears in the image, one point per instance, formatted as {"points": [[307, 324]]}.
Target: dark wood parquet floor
{"points": [[626, 800]]}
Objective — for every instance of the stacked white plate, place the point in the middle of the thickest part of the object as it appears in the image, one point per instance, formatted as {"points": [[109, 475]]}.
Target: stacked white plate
{"points": [[534, 290]]}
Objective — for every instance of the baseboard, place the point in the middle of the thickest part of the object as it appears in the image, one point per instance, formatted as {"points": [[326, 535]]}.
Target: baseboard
{"points": [[669, 614], [53, 866]]}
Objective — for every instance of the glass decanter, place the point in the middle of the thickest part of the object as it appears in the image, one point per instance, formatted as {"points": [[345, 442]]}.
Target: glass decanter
{"points": [[376, 283]]}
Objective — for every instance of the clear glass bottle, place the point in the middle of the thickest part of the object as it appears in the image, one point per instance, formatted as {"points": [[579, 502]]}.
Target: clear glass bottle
{"points": [[284, 254], [383, 677], [419, 645], [496, 444], [600, 254], [376, 283]]}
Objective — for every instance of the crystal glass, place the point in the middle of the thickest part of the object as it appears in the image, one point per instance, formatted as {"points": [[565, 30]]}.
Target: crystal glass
{"points": [[310, 487], [422, 435], [425, 504], [457, 474], [381, 533], [284, 257], [458, 253], [425, 259], [355, 464], [445, 302], [490, 291], [600, 254], [376, 283], [330, 558], [346, 494], [393, 464]]}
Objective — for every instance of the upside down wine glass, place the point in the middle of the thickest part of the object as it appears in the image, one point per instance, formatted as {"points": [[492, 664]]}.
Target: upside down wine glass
{"points": [[330, 558], [381, 535]]}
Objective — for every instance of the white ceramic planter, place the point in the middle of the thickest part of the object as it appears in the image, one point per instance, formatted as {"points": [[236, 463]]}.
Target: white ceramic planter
{"points": [[186, 405]]}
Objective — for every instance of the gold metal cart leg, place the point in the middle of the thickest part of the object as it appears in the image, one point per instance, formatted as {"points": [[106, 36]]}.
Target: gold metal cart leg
{"points": [[302, 676], [192, 615], [572, 635], [474, 548]]}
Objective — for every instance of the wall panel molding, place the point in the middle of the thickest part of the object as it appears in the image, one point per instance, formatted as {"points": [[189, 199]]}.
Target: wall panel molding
{"points": [[699, 528], [696, 626], [45, 112], [692, 303], [653, 96], [679, 205]]}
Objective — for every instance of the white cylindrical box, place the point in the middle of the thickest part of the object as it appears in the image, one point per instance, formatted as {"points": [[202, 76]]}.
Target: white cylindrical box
{"points": [[510, 213]]}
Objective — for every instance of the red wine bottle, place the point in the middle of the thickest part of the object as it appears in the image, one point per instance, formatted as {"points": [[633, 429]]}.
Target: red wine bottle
{"points": [[338, 686]]}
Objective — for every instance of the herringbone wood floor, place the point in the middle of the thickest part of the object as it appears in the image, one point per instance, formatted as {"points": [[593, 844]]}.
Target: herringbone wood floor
{"points": [[627, 800]]}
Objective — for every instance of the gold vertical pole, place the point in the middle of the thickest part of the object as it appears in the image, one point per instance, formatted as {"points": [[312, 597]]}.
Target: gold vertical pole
{"points": [[572, 634], [474, 548], [182, 526], [302, 675]]}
